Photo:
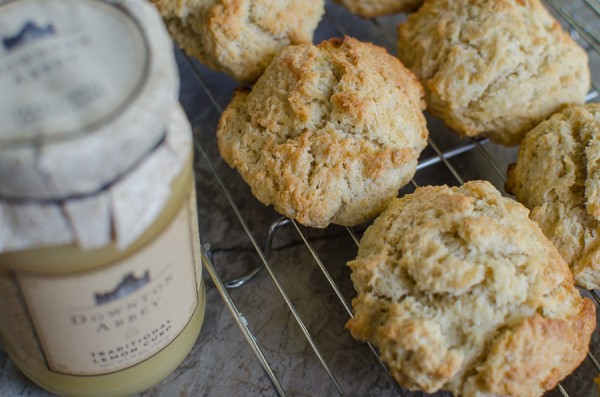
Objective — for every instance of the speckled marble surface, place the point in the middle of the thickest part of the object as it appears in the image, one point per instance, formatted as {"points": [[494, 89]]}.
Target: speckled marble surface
{"points": [[221, 362]]}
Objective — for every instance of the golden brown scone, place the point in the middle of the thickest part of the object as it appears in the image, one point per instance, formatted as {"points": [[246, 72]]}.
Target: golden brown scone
{"points": [[557, 176], [461, 291], [375, 8], [493, 67], [329, 133], [240, 37]]}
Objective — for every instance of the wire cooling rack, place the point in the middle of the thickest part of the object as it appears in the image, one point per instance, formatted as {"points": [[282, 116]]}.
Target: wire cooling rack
{"points": [[447, 160]]}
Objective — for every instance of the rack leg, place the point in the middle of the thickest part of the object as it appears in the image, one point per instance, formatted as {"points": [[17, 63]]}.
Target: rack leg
{"points": [[238, 282]]}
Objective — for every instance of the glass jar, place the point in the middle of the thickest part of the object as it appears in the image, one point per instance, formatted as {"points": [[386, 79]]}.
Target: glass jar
{"points": [[139, 309], [101, 292]]}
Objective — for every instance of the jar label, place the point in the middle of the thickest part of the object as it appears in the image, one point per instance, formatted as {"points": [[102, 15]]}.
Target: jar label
{"points": [[65, 66], [112, 318]]}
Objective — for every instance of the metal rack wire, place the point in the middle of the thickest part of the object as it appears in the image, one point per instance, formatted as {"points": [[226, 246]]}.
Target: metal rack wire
{"points": [[579, 16]]}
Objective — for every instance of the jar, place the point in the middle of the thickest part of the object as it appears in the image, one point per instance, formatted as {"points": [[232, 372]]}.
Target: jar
{"points": [[101, 292]]}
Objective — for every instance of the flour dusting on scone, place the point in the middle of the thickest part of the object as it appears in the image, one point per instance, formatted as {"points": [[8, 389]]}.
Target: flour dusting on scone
{"points": [[329, 133], [493, 67], [240, 37], [461, 291], [557, 176]]}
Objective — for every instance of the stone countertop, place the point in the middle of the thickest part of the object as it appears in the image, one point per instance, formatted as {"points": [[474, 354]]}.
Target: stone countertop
{"points": [[221, 362]]}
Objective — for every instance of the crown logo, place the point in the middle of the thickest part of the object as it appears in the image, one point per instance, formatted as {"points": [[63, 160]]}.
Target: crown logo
{"points": [[128, 285], [28, 33]]}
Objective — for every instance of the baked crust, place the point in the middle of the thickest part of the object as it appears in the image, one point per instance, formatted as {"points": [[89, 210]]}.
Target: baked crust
{"points": [[329, 133], [375, 8], [557, 176], [240, 37], [493, 68], [459, 290]]}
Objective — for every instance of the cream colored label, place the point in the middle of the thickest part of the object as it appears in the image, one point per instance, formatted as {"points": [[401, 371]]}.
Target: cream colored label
{"points": [[65, 66], [109, 319]]}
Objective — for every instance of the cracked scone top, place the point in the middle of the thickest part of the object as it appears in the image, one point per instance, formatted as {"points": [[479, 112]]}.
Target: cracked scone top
{"points": [[329, 133], [557, 176], [493, 68], [461, 291], [374, 8], [240, 37]]}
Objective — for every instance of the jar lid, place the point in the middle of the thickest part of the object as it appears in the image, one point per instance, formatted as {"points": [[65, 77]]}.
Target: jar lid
{"points": [[86, 87]]}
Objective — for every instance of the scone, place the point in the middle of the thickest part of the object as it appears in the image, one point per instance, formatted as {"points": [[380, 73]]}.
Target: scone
{"points": [[375, 8], [557, 176], [461, 291], [329, 133], [240, 37], [494, 68]]}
